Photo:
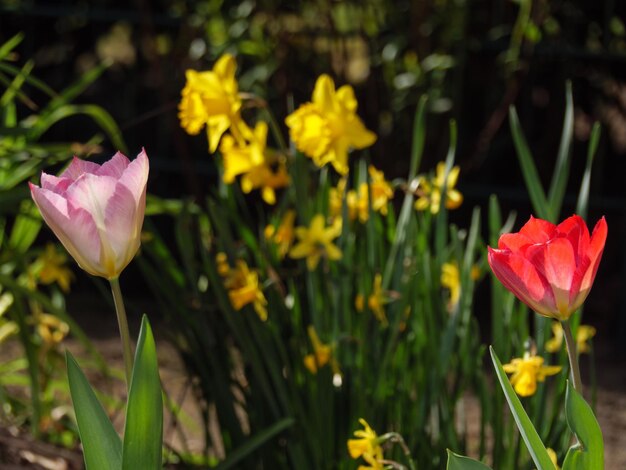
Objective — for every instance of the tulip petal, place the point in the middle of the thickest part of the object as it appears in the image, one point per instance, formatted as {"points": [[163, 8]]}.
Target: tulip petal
{"points": [[114, 167], [556, 261], [521, 277], [55, 183], [575, 230], [78, 167], [135, 176], [587, 271], [122, 230], [74, 227], [91, 192]]}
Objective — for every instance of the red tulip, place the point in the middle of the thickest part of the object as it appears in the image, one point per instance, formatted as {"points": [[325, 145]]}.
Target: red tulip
{"points": [[97, 211], [550, 268]]}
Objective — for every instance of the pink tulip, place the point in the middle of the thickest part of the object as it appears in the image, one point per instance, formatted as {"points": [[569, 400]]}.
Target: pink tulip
{"points": [[97, 211], [550, 268]]}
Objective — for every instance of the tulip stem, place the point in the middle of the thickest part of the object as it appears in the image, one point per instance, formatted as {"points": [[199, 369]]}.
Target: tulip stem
{"points": [[573, 357], [123, 325]]}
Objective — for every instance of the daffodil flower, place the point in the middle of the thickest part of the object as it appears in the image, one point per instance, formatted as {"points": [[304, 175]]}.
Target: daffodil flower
{"points": [[250, 158], [316, 241], [243, 288], [367, 446], [326, 128], [527, 371], [375, 302], [211, 98], [284, 234], [51, 266], [322, 354], [583, 335], [431, 190]]}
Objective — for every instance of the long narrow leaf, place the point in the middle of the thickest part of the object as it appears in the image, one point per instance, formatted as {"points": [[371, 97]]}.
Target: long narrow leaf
{"points": [[533, 442], [583, 193], [529, 170], [143, 433], [561, 170], [102, 447], [10, 44], [588, 454], [254, 443], [459, 462]]}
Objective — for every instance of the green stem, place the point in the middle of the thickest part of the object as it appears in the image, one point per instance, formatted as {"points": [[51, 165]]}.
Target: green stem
{"points": [[573, 357], [123, 324]]}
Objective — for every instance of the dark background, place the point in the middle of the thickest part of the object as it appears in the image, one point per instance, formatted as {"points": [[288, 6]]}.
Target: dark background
{"points": [[468, 56]]}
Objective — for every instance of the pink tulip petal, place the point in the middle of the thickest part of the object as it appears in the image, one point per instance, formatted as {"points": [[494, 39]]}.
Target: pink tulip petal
{"points": [[91, 192], [79, 167], [122, 231], [114, 167], [54, 183], [74, 227], [522, 278], [135, 176]]}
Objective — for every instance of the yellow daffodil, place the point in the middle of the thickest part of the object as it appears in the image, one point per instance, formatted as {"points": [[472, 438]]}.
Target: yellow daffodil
{"points": [[367, 446], [266, 179], [249, 157], [553, 458], [382, 192], [375, 302], [243, 289], [51, 329], [357, 201], [584, 334], [221, 261], [284, 234], [322, 354], [211, 98], [316, 241], [326, 128], [430, 190], [451, 280], [51, 266], [527, 371]]}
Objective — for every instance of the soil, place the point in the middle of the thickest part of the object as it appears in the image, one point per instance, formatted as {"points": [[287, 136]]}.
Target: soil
{"points": [[19, 451]]}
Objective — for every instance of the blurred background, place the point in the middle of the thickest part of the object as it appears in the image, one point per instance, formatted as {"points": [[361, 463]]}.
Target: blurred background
{"points": [[473, 58]]}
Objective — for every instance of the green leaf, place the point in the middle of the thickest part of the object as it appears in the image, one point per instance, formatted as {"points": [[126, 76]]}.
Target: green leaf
{"points": [[25, 228], [533, 442], [561, 170], [102, 447], [11, 44], [254, 443], [529, 170], [459, 462], [143, 434], [583, 193], [588, 453]]}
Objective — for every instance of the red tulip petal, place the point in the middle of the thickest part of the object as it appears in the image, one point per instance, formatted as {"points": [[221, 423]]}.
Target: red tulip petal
{"points": [[594, 254], [538, 230], [557, 262], [521, 277], [575, 230]]}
